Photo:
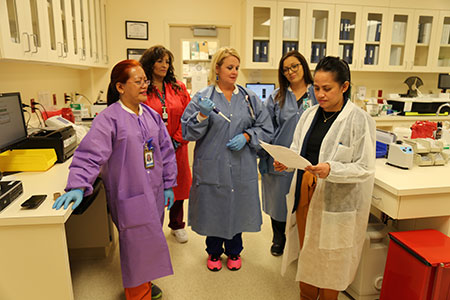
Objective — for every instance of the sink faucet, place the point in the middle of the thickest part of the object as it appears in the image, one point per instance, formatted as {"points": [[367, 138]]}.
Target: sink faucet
{"points": [[440, 107]]}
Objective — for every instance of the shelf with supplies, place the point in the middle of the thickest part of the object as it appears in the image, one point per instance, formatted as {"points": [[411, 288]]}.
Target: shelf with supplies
{"points": [[196, 62]]}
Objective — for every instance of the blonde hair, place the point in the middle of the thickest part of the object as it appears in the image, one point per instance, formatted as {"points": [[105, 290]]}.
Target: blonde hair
{"points": [[217, 60]]}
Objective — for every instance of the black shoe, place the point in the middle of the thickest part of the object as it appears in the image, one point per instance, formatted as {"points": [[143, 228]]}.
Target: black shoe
{"points": [[156, 292], [276, 249]]}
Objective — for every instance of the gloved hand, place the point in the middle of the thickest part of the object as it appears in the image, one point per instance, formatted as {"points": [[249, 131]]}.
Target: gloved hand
{"points": [[175, 144], [262, 166], [169, 198], [206, 105], [237, 143], [75, 195]]}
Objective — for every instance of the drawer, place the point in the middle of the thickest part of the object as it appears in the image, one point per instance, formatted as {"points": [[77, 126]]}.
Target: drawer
{"points": [[386, 202]]}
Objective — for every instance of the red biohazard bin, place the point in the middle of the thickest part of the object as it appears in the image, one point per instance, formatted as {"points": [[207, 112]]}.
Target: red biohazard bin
{"points": [[417, 266]]}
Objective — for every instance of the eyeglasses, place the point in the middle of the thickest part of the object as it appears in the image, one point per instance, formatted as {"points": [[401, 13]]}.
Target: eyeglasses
{"points": [[293, 69], [142, 82]]}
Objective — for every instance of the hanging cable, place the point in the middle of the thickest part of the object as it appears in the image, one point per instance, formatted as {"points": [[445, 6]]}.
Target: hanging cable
{"points": [[40, 112], [78, 94]]}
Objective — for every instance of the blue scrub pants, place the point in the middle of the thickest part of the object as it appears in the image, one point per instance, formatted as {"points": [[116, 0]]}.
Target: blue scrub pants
{"points": [[214, 245]]}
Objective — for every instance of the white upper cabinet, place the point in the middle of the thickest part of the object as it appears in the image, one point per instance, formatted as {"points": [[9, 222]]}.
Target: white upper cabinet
{"points": [[441, 56], [291, 29], [71, 32], [21, 30], [400, 40], [347, 33], [320, 35], [259, 40]]}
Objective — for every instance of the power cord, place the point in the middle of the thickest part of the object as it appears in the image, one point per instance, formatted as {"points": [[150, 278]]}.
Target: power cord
{"points": [[78, 94]]}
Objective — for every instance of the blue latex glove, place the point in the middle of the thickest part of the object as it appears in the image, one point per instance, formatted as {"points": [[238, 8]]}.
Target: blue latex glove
{"points": [[75, 195], [237, 143], [169, 198], [206, 105], [262, 166]]}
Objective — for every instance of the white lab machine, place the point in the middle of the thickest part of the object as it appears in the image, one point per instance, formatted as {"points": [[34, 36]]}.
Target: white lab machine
{"points": [[369, 276], [59, 122], [399, 155]]}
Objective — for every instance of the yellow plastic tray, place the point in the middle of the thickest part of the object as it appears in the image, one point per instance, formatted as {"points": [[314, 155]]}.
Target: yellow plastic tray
{"points": [[27, 160]]}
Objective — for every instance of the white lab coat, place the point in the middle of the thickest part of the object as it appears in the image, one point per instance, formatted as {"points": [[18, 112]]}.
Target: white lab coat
{"points": [[339, 209]]}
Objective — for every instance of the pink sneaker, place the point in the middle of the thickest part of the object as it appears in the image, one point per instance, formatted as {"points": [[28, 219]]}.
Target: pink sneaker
{"points": [[234, 262], [214, 263]]}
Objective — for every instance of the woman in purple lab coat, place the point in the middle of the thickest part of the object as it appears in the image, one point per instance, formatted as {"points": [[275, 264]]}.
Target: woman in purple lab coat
{"points": [[129, 145]]}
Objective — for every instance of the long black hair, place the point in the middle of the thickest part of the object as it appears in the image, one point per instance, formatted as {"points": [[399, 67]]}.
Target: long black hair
{"points": [[282, 80], [339, 68], [120, 73], [148, 60]]}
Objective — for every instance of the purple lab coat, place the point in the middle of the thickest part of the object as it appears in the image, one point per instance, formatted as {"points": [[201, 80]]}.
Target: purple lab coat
{"points": [[114, 146]]}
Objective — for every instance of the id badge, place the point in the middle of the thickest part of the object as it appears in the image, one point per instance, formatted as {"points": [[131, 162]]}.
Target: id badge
{"points": [[165, 115], [148, 158]]}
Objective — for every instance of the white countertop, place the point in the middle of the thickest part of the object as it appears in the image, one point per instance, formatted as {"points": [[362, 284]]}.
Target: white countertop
{"points": [[412, 118], [415, 181], [34, 183]]}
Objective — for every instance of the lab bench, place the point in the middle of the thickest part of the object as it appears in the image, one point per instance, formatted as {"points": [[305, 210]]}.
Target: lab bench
{"points": [[418, 198], [35, 244], [390, 122]]}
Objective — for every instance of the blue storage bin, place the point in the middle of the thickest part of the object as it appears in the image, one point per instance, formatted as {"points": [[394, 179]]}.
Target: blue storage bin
{"points": [[381, 150]]}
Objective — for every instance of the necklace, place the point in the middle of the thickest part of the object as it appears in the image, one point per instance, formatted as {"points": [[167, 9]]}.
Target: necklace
{"points": [[325, 119]]}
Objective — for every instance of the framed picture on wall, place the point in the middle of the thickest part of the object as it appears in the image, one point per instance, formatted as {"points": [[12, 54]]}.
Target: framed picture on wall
{"points": [[135, 53], [136, 30]]}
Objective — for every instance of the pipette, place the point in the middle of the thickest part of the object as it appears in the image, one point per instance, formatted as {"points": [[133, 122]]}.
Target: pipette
{"points": [[217, 111]]}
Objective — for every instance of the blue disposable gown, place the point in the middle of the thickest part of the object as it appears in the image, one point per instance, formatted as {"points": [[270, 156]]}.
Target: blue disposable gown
{"points": [[224, 197], [275, 185], [115, 146]]}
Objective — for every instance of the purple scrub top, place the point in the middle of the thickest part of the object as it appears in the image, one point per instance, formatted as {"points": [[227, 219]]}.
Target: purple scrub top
{"points": [[114, 146]]}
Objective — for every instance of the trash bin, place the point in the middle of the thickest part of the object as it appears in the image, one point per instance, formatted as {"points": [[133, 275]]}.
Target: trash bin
{"points": [[417, 266]]}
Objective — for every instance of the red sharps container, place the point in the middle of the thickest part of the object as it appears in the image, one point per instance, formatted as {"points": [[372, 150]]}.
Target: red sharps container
{"points": [[417, 266]]}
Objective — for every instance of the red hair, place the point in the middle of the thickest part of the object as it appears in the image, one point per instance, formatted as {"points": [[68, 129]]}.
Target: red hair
{"points": [[120, 73]]}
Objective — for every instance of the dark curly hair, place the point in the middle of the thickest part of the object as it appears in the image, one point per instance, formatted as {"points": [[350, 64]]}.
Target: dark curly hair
{"points": [[284, 82], [148, 60]]}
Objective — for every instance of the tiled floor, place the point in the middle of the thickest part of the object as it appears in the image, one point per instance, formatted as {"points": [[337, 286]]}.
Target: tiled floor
{"points": [[259, 277]]}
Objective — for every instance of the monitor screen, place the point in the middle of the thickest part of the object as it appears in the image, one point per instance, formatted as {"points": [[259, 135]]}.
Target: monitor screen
{"points": [[12, 122], [444, 81], [263, 90]]}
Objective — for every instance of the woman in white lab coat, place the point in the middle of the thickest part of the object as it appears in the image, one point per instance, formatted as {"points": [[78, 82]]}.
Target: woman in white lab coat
{"points": [[329, 202]]}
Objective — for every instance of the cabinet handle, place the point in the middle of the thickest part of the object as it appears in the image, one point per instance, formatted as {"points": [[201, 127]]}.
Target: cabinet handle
{"points": [[35, 43], [376, 199], [28, 41], [65, 52]]}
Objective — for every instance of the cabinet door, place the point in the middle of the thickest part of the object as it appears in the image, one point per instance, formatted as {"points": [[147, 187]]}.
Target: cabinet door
{"points": [[104, 42], [260, 34], [374, 38], [319, 38], [400, 27], [75, 45], [291, 29], [97, 32], [21, 29], [441, 56], [424, 36], [84, 32], [54, 40], [348, 34]]}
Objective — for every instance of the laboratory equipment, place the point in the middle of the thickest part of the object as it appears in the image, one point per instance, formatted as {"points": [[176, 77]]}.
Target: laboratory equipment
{"points": [[217, 111], [62, 140], [438, 111], [417, 266], [400, 155], [369, 276], [13, 130], [12, 123], [444, 82], [263, 90], [413, 83]]}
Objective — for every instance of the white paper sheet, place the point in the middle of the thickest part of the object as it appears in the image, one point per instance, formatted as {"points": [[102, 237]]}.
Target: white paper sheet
{"points": [[286, 156]]}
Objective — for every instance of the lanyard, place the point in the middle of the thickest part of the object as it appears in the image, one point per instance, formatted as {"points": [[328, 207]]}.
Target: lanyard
{"points": [[162, 99]]}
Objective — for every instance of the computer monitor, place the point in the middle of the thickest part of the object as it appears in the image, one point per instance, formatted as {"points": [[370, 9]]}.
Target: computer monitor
{"points": [[263, 90], [12, 122], [444, 82]]}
